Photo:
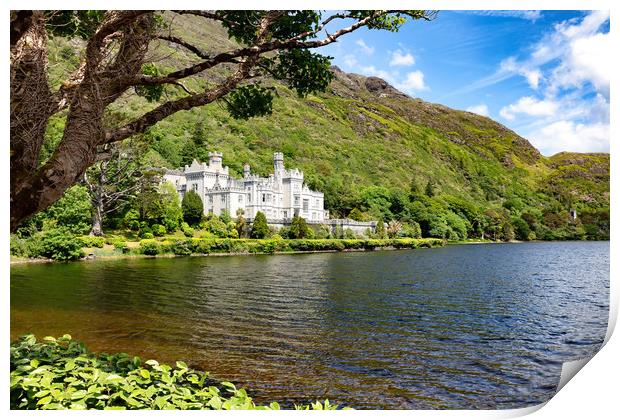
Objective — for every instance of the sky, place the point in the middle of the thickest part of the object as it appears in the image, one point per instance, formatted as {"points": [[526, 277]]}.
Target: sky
{"points": [[543, 74]]}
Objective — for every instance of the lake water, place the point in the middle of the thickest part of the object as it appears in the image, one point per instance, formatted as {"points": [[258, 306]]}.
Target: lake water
{"points": [[465, 326]]}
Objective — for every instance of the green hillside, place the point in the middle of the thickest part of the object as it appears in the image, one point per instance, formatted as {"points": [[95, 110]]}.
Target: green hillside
{"points": [[379, 153]]}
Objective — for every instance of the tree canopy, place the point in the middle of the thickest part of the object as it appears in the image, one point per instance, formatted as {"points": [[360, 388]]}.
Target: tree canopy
{"points": [[115, 63]]}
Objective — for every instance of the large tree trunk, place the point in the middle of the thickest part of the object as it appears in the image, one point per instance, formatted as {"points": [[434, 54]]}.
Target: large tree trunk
{"points": [[96, 229], [32, 189]]}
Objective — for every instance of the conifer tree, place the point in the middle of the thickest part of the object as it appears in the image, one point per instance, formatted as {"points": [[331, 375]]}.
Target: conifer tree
{"points": [[260, 230], [192, 208]]}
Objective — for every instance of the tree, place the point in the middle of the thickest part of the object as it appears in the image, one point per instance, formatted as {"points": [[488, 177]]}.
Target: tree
{"points": [[115, 64], [380, 230], [72, 211], [192, 207], [299, 228], [147, 200], [240, 223], [172, 215], [429, 191], [393, 228], [113, 181], [260, 230]]}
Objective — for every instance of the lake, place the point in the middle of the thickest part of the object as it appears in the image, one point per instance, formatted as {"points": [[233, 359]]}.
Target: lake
{"points": [[465, 326]]}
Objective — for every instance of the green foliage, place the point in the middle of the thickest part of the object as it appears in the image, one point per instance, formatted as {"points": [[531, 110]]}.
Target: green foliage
{"points": [[60, 244], [187, 230], [380, 230], [260, 230], [73, 23], [158, 230], [251, 100], [132, 220], [172, 215], [299, 228], [60, 373], [149, 247], [91, 241], [152, 93], [72, 211], [121, 246], [192, 207], [216, 226]]}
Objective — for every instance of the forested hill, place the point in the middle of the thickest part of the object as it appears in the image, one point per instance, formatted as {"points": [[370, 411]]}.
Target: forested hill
{"points": [[376, 152]]}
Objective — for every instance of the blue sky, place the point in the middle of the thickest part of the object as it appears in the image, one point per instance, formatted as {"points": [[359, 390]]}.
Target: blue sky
{"points": [[544, 74]]}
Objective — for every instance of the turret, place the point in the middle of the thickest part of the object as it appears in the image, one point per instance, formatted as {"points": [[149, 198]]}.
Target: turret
{"points": [[215, 160], [278, 163], [246, 170]]}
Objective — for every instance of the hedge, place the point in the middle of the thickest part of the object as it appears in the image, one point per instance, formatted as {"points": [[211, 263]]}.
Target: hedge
{"points": [[269, 246]]}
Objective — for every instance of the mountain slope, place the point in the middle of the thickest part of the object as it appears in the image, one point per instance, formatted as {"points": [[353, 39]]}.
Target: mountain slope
{"points": [[363, 141]]}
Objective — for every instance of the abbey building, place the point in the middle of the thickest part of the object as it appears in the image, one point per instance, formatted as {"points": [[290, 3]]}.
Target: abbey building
{"points": [[280, 196]]}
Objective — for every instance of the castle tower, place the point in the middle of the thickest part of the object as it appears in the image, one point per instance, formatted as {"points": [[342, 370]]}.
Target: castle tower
{"points": [[246, 170], [278, 166], [215, 160]]}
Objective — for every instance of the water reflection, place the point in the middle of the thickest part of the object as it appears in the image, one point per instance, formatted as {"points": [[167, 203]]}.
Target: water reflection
{"points": [[484, 326]]}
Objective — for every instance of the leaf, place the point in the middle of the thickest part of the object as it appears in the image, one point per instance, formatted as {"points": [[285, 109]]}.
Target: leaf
{"points": [[45, 400], [181, 365], [42, 393], [145, 374], [274, 406], [34, 363], [229, 385], [78, 394], [49, 339], [152, 362]]}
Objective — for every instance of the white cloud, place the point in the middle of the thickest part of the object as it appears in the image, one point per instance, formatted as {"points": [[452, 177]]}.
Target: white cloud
{"points": [[565, 135], [414, 81], [481, 109], [368, 50], [533, 75], [350, 61], [588, 60], [399, 58], [373, 71], [531, 106], [532, 15]]}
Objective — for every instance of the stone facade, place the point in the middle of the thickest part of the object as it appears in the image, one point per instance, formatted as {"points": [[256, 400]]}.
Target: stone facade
{"points": [[280, 196]]}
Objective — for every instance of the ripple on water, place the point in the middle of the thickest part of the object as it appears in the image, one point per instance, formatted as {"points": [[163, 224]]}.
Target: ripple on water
{"points": [[484, 326]]}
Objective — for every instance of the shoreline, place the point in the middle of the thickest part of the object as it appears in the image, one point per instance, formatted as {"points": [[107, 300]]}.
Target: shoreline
{"points": [[23, 261]]}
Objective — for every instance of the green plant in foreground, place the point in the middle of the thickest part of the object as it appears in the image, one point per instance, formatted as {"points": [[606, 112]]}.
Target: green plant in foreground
{"points": [[62, 374]]}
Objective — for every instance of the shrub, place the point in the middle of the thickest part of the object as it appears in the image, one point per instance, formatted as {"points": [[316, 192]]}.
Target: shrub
{"points": [[121, 246], [145, 233], [59, 244], [158, 230], [92, 241], [149, 247], [187, 230], [215, 226], [132, 220], [62, 374], [349, 234], [180, 248], [19, 246]]}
